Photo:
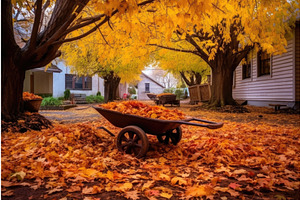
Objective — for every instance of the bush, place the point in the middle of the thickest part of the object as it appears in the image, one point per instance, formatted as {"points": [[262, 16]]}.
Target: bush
{"points": [[51, 101], [61, 98], [45, 95], [98, 93], [94, 99], [67, 94], [179, 93], [169, 90], [131, 90]]}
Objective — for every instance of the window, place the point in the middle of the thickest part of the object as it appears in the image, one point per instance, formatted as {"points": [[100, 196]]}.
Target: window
{"points": [[147, 87], [74, 82], [263, 63], [246, 67]]}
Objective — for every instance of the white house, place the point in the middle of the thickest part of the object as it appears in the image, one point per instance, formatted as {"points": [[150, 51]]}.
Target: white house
{"points": [[269, 79], [57, 78], [148, 85]]}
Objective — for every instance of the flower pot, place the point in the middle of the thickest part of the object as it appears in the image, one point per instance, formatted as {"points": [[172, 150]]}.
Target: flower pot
{"points": [[32, 105]]}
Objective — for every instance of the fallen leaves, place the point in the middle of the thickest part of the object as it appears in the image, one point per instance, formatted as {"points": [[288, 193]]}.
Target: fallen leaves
{"points": [[144, 110], [240, 160], [30, 96]]}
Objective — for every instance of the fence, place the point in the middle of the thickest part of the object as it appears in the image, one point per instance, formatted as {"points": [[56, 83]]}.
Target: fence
{"points": [[199, 93]]}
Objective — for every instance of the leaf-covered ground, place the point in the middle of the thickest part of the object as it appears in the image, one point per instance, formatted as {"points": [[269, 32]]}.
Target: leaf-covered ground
{"points": [[254, 155]]}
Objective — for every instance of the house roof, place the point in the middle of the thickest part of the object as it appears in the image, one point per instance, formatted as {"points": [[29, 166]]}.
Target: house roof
{"points": [[153, 80], [51, 69]]}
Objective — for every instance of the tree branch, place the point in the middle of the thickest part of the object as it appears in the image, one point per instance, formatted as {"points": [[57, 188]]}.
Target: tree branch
{"points": [[87, 21], [174, 49], [45, 6], [36, 24], [83, 35], [200, 52]]}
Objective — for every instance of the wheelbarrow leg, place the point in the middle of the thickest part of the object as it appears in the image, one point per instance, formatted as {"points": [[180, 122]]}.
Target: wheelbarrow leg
{"points": [[110, 133]]}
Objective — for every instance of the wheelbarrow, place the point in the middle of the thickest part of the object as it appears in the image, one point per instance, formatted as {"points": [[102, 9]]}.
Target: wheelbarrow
{"points": [[132, 139]]}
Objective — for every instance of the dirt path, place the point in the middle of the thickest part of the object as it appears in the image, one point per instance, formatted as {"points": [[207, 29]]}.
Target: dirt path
{"points": [[81, 113], [259, 115]]}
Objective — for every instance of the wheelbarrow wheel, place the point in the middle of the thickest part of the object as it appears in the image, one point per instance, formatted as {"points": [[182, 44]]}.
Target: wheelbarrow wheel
{"points": [[173, 135], [133, 140]]}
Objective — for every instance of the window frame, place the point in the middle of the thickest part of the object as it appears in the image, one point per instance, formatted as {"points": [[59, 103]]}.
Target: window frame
{"points": [[86, 80], [247, 68], [262, 64], [147, 85]]}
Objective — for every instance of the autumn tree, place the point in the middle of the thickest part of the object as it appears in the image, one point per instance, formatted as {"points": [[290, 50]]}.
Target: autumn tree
{"points": [[45, 38], [191, 68], [224, 35], [84, 58]]}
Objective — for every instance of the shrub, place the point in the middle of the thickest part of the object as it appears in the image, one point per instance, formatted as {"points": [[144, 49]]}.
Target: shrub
{"points": [[61, 98], [67, 94], [51, 101], [169, 90], [179, 93], [98, 93], [94, 99], [131, 90]]}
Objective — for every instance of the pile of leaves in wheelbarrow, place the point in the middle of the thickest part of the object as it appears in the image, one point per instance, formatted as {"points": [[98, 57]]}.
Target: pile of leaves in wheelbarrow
{"points": [[80, 161], [144, 110]]}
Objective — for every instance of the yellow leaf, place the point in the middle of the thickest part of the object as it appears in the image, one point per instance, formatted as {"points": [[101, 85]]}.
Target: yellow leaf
{"points": [[19, 175], [199, 191], [110, 175], [125, 187], [166, 195], [162, 160], [164, 177], [179, 180], [147, 185]]}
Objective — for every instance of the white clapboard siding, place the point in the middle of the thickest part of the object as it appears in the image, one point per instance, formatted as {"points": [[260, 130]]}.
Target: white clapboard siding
{"points": [[279, 86], [297, 61], [155, 87]]}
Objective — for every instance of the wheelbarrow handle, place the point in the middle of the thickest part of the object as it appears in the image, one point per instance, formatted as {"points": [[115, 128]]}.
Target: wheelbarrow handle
{"points": [[209, 124]]}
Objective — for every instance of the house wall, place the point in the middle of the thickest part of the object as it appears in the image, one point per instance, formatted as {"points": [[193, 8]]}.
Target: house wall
{"points": [[26, 86], [59, 83], [297, 61], [123, 88], [275, 88], [43, 83], [154, 88]]}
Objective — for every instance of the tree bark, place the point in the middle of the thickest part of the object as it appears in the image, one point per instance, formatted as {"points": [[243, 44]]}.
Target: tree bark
{"points": [[111, 83], [195, 77], [12, 74], [222, 74]]}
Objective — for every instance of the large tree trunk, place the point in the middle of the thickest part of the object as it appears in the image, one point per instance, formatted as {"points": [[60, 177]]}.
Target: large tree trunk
{"points": [[111, 84], [12, 74], [12, 89], [222, 75], [37, 52]]}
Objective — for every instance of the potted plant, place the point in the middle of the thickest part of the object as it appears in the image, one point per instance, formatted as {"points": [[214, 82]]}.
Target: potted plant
{"points": [[32, 102]]}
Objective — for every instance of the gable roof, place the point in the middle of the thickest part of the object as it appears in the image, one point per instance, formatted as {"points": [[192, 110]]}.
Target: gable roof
{"points": [[51, 69], [153, 80]]}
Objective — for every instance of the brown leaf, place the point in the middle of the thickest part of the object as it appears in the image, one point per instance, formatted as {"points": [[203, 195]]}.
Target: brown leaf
{"points": [[6, 183], [57, 189], [74, 188], [8, 193], [132, 195]]}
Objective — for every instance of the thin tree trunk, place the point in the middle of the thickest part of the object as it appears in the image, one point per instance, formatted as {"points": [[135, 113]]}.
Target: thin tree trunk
{"points": [[111, 84]]}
